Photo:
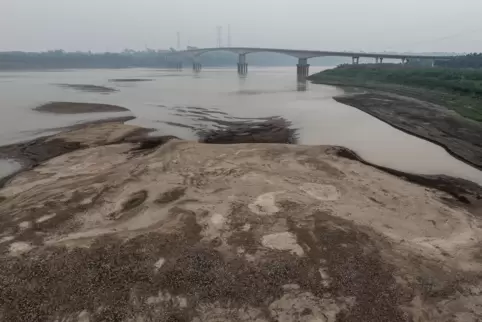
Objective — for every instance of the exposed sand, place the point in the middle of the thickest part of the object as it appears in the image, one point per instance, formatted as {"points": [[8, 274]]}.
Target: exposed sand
{"points": [[89, 88], [125, 80], [245, 232], [76, 108]]}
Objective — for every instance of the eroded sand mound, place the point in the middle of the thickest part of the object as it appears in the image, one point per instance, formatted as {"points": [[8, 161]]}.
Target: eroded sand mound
{"points": [[250, 232]]}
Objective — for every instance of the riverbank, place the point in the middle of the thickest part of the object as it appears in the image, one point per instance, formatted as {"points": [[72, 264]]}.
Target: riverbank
{"points": [[129, 227], [456, 89], [412, 110]]}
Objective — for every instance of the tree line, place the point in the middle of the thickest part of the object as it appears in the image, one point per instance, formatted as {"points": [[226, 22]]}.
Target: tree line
{"points": [[59, 59], [473, 60]]}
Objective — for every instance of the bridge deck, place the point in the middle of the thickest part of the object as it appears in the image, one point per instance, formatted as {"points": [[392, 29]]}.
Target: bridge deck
{"points": [[307, 53]]}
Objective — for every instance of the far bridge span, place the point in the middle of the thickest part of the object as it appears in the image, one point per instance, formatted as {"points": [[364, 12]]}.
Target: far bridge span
{"points": [[302, 55]]}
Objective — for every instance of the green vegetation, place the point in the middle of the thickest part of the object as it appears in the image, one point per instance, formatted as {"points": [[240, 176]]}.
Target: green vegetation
{"points": [[468, 61], [457, 89], [58, 59]]}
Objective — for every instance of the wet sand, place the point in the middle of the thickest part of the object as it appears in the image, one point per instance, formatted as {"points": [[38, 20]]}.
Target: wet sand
{"points": [[77, 108], [126, 80], [89, 88]]}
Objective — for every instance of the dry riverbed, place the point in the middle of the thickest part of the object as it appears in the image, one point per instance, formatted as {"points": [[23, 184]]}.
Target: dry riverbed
{"points": [[124, 227]]}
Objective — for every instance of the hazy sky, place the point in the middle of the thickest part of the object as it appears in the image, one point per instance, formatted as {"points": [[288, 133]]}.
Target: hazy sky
{"points": [[369, 25]]}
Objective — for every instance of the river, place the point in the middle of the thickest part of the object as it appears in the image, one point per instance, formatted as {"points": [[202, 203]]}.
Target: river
{"points": [[264, 92]]}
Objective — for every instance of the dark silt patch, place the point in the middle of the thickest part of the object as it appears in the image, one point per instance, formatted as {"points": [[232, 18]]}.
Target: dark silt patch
{"points": [[136, 199], [89, 88], [171, 195], [273, 130], [32, 153], [214, 126], [77, 108], [126, 80], [149, 142]]}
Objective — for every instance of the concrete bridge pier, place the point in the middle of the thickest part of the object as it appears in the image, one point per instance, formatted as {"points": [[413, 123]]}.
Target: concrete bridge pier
{"points": [[242, 65], [196, 67], [355, 60], [302, 68], [379, 60], [405, 61], [179, 65]]}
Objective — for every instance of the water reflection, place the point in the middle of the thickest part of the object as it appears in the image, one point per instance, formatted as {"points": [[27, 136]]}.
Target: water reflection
{"points": [[302, 84]]}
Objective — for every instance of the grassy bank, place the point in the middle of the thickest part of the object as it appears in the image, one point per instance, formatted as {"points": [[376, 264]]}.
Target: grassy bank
{"points": [[457, 89]]}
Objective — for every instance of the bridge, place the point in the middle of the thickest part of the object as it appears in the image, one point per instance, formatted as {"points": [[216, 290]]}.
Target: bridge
{"points": [[302, 55]]}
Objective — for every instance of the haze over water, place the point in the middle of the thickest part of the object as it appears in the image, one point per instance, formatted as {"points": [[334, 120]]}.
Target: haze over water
{"points": [[170, 95]]}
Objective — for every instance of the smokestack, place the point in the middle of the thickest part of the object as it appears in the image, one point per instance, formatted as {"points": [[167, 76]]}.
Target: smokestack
{"points": [[229, 35], [220, 39]]}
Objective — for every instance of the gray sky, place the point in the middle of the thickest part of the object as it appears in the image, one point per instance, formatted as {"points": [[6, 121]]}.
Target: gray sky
{"points": [[369, 25]]}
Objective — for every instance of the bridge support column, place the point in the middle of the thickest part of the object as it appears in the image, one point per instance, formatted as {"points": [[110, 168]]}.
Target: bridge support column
{"points": [[179, 65], [302, 68], [196, 67], [355, 60], [242, 65], [405, 61], [381, 60]]}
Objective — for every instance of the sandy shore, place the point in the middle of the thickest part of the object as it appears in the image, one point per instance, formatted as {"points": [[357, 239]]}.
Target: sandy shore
{"points": [[29, 154]]}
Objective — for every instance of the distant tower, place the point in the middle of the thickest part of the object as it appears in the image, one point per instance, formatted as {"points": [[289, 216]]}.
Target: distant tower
{"points": [[220, 33], [178, 40], [229, 35]]}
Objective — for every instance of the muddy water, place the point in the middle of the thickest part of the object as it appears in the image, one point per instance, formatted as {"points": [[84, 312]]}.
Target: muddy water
{"points": [[171, 96]]}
